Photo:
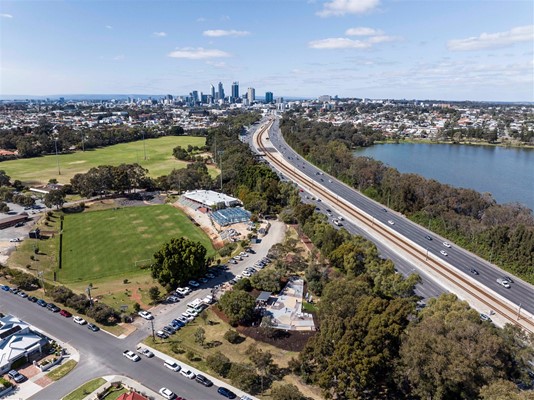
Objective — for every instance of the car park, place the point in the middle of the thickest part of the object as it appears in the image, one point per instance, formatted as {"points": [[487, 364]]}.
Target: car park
{"points": [[42, 303], [446, 244], [188, 373], [443, 252], [226, 393], [144, 351], [79, 320], [203, 380], [16, 376], [130, 355], [93, 327], [146, 315], [65, 313], [172, 365], [167, 393], [162, 335]]}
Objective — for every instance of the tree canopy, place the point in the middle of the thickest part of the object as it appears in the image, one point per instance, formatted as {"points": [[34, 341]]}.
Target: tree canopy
{"points": [[179, 261]]}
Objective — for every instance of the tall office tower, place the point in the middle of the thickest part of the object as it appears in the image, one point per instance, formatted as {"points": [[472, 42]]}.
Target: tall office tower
{"points": [[221, 92], [194, 95], [269, 97], [235, 91], [251, 95], [212, 91]]}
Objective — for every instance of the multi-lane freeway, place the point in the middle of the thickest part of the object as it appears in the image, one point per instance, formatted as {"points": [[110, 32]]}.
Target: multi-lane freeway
{"points": [[310, 178]]}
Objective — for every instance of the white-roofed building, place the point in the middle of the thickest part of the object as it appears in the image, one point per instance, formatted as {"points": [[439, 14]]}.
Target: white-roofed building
{"points": [[17, 340], [211, 199]]}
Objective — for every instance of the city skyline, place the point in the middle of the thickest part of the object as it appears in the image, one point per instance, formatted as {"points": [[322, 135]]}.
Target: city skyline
{"points": [[350, 48]]}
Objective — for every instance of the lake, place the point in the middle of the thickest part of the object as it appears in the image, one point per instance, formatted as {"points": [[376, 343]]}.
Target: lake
{"points": [[506, 173]]}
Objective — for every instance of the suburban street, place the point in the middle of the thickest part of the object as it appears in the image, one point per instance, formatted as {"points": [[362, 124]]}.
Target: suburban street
{"points": [[521, 293], [101, 353]]}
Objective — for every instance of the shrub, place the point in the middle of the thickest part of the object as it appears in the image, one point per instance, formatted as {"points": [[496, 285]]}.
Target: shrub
{"points": [[219, 363], [232, 336]]}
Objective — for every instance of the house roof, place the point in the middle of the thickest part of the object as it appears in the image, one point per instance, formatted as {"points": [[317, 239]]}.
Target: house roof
{"points": [[263, 296], [131, 396]]}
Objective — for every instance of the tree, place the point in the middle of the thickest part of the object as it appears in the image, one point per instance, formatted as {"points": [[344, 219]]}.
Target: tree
{"points": [[262, 360], [238, 306], [200, 336], [179, 261], [154, 294], [503, 390], [4, 178], [219, 363], [4, 208], [244, 377], [268, 280], [54, 198], [287, 392], [450, 353]]}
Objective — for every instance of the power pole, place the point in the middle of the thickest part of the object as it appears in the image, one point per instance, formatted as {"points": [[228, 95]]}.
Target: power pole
{"points": [[153, 333], [57, 157]]}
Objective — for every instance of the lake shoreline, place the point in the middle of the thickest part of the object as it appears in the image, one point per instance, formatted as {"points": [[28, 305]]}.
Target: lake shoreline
{"points": [[506, 145]]}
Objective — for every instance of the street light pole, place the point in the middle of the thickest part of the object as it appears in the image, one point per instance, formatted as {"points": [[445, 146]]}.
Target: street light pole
{"points": [[519, 312], [57, 157]]}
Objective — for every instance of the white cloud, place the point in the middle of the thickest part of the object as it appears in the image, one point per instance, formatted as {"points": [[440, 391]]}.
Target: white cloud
{"points": [[221, 32], [342, 7], [197, 54], [362, 31], [159, 34], [6, 15], [109, 27], [345, 43], [216, 64], [338, 43], [493, 40]]}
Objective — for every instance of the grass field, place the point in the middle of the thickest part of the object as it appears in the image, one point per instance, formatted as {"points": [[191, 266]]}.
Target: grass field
{"points": [[34, 171], [85, 389], [106, 244]]}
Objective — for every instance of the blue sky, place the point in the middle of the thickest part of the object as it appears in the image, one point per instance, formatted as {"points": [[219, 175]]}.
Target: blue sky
{"points": [[451, 50]]}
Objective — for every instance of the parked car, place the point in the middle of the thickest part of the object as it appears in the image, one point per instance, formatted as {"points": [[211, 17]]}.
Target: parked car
{"points": [[93, 327], [168, 330], [177, 322], [42, 303], [173, 366], [23, 295], [144, 351], [173, 299], [162, 335], [33, 299], [485, 317], [14, 290], [188, 373], [183, 320], [203, 280], [79, 320], [167, 393], [210, 276], [146, 315], [187, 316], [16, 376], [226, 393], [130, 355], [193, 283], [203, 380], [5, 288], [15, 240], [52, 307], [65, 313]]}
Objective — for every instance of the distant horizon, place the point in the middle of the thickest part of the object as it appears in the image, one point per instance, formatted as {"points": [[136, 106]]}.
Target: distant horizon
{"points": [[110, 96]]}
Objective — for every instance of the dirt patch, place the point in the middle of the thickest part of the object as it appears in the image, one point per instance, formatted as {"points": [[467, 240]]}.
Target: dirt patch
{"points": [[285, 340], [136, 296], [202, 220]]}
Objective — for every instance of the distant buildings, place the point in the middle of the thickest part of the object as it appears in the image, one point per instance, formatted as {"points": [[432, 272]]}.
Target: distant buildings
{"points": [[251, 95], [269, 97], [235, 92]]}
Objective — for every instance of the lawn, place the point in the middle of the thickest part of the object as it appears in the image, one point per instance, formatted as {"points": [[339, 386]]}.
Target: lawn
{"points": [[85, 389], [159, 160], [62, 370], [107, 244]]}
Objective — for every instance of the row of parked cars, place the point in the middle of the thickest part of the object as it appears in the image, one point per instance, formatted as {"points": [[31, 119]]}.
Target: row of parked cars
{"points": [[49, 306]]}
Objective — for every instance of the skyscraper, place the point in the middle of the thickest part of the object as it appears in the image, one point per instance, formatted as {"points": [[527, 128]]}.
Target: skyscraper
{"points": [[269, 97], [251, 95], [235, 91], [220, 93], [212, 91]]}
